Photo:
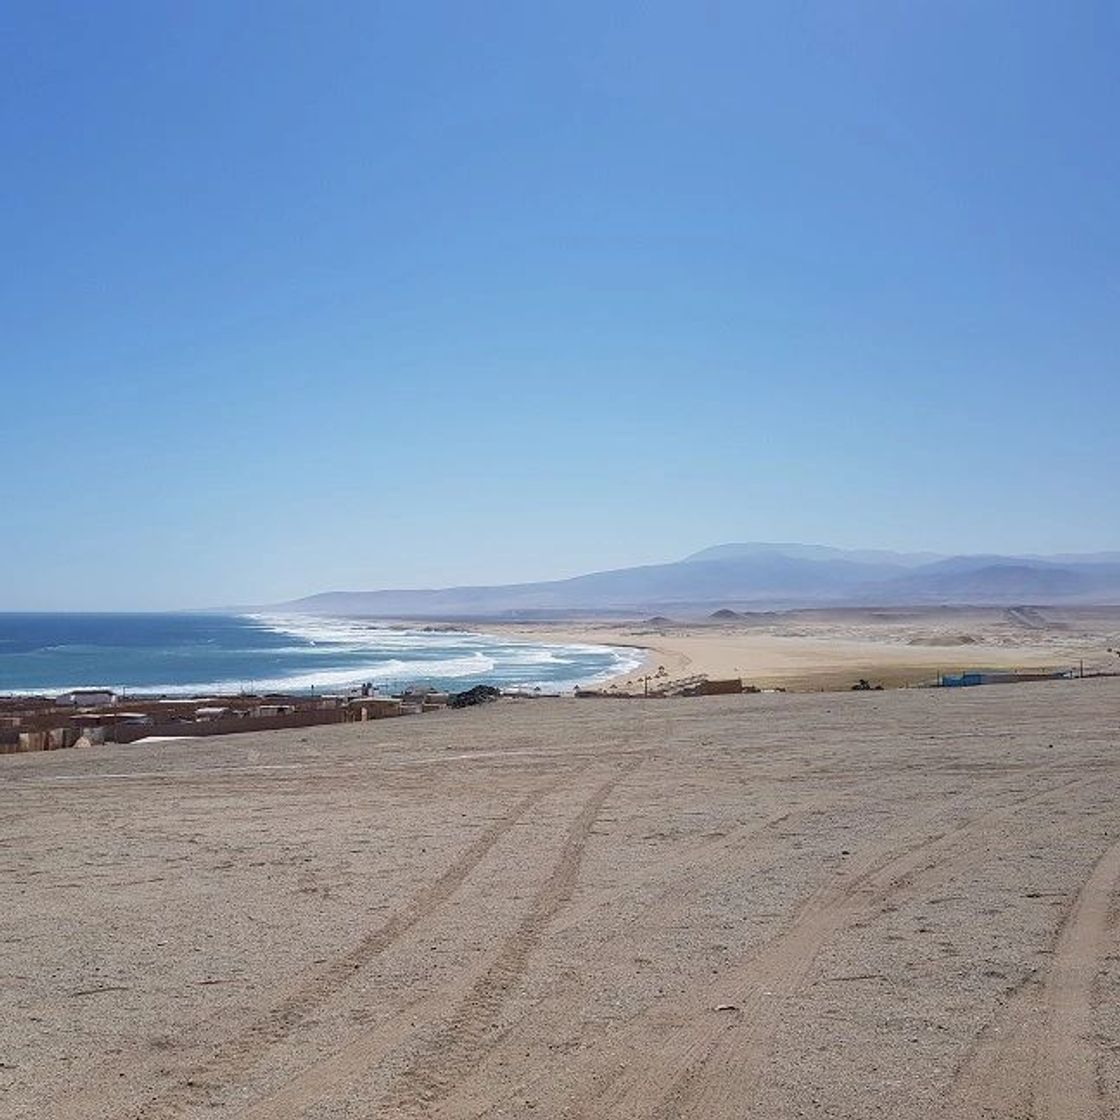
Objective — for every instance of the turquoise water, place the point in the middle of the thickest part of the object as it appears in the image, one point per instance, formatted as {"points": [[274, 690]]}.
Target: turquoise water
{"points": [[203, 653]]}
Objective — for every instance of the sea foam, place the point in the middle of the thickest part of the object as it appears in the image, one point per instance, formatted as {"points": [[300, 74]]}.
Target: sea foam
{"points": [[179, 655]]}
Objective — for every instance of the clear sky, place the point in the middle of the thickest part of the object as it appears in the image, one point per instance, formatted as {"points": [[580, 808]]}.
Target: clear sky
{"points": [[309, 296]]}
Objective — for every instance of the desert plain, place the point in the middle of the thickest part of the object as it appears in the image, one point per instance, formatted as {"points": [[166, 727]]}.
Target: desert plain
{"points": [[895, 904], [830, 648]]}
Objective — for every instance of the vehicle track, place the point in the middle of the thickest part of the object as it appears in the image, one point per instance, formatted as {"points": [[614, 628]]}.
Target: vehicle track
{"points": [[710, 1064], [334, 1073], [236, 1056], [1038, 1056], [478, 995], [731, 1069], [470, 1032], [466, 1035]]}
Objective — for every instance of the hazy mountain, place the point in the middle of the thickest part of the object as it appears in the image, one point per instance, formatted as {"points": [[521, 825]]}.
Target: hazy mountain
{"points": [[815, 552], [1004, 581], [758, 576]]}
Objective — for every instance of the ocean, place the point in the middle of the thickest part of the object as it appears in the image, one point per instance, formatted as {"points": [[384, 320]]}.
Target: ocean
{"points": [[197, 654]]}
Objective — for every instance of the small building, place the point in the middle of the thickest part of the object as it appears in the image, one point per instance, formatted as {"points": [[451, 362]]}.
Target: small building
{"points": [[270, 711], [59, 738], [374, 707], [34, 740], [968, 679], [112, 719], [209, 713], [87, 698], [731, 687]]}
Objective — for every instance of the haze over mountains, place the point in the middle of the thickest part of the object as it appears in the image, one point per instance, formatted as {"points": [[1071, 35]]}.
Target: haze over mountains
{"points": [[759, 576]]}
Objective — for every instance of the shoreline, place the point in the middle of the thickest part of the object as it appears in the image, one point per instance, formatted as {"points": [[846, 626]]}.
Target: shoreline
{"points": [[805, 650], [317, 656]]}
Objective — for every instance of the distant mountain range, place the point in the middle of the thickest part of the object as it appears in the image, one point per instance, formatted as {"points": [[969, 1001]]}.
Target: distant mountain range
{"points": [[757, 576]]}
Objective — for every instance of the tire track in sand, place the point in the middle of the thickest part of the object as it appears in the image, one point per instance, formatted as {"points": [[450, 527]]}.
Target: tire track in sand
{"points": [[334, 1074], [1039, 1055], [708, 1065], [238, 1055], [470, 1033], [733, 1067], [480, 997]]}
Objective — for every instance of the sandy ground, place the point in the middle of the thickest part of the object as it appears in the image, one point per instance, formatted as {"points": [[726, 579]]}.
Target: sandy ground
{"points": [[898, 904], [821, 650]]}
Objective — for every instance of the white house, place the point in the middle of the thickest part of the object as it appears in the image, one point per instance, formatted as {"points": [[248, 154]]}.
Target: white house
{"points": [[87, 698]]}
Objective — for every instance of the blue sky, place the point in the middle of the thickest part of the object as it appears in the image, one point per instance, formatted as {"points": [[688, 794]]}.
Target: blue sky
{"points": [[310, 296]]}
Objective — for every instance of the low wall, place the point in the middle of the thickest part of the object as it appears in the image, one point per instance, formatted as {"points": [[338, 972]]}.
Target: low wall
{"points": [[14, 741], [124, 733]]}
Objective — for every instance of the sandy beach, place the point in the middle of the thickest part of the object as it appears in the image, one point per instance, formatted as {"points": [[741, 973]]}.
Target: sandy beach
{"points": [[894, 904], [812, 650]]}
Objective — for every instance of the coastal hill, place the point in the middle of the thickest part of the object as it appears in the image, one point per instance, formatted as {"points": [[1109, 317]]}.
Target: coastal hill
{"points": [[758, 576]]}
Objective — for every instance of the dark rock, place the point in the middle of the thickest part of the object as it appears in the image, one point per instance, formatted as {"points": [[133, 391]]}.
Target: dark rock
{"points": [[480, 694]]}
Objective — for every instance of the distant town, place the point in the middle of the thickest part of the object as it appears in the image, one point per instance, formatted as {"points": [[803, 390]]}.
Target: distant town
{"points": [[85, 717]]}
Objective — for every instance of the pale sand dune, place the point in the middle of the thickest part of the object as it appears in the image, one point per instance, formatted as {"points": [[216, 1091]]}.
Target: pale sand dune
{"points": [[895, 904], [809, 650]]}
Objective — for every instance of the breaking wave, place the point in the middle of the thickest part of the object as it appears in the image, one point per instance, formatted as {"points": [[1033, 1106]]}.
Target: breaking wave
{"points": [[213, 655]]}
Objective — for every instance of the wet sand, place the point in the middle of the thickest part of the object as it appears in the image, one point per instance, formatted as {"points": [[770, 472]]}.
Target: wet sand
{"points": [[895, 904]]}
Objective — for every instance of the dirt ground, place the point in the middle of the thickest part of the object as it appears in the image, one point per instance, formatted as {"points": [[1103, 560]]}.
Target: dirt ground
{"points": [[899, 904]]}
